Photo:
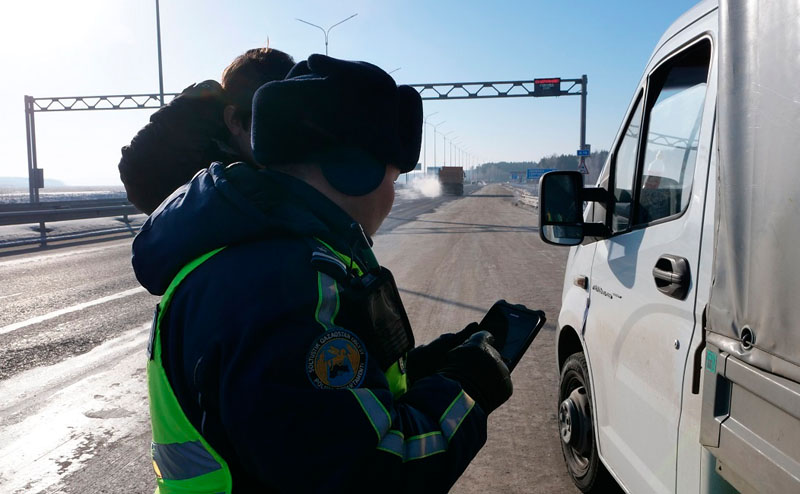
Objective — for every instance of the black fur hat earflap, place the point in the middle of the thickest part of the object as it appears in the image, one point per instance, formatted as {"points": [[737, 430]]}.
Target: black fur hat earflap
{"points": [[350, 117]]}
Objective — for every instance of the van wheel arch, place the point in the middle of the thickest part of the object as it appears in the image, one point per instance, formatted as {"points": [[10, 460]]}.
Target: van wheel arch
{"points": [[568, 343]]}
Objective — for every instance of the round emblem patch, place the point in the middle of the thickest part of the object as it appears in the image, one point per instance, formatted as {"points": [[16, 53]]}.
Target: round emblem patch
{"points": [[337, 360]]}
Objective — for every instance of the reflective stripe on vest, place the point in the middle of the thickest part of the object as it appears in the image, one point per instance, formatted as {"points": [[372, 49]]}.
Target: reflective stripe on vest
{"points": [[413, 448], [422, 446], [455, 414], [328, 301], [182, 459]]}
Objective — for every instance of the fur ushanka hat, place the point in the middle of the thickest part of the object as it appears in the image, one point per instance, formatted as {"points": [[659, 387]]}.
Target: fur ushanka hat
{"points": [[349, 117]]}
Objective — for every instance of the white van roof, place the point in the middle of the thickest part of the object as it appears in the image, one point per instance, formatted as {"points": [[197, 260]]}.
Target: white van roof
{"points": [[686, 19]]}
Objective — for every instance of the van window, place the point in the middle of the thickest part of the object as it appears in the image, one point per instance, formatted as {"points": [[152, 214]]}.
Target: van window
{"points": [[625, 171], [675, 109]]}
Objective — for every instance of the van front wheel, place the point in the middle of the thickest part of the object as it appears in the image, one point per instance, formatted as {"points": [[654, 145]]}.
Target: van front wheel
{"points": [[575, 427]]}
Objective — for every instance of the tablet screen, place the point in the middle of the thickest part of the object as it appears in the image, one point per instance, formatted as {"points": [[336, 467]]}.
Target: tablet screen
{"points": [[522, 325]]}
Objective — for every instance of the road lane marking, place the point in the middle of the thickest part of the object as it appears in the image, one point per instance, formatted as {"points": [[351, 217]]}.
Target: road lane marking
{"points": [[67, 310], [12, 295], [47, 257], [50, 428]]}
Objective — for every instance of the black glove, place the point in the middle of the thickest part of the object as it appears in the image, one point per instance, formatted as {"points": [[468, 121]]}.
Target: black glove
{"points": [[480, 370], [425, 360]]}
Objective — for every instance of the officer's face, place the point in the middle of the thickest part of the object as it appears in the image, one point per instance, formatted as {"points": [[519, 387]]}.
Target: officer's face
{"points": [[378, 203]]}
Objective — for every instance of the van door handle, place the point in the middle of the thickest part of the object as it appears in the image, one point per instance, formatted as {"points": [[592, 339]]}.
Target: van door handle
{"points": [[672, 276]]}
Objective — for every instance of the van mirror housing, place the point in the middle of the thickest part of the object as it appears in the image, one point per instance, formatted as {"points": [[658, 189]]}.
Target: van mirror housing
{"points": [[561, 197]]}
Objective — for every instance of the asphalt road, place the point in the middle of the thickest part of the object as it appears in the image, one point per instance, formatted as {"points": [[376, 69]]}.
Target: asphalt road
{"points": [[73, 330]]}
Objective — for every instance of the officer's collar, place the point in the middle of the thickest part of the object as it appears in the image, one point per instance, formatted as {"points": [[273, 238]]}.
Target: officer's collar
{"points": [[333, 224], [346, 234]]}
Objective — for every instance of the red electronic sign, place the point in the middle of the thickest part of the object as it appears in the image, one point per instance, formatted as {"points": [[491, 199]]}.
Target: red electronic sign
{"points": [[547, 87]]}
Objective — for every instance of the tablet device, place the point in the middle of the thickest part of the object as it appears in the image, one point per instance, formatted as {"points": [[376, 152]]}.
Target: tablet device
{"points": [[514, 327]]}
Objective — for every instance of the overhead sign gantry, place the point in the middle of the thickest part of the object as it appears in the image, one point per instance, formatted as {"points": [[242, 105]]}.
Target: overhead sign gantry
{"points": [[536, 88]]}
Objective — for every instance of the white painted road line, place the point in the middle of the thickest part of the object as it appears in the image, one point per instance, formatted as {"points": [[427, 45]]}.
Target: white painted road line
{"points": [[55, 419], [47, 257], [61, 312], [12, 295]]}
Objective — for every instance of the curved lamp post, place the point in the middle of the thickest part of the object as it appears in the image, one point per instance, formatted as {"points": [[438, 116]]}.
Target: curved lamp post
{"points": [[425, 141], [434, 144], [326, 32], [444, 151]]}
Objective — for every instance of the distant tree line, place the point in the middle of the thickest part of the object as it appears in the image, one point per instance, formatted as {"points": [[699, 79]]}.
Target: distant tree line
{"points": [[501, 171]]}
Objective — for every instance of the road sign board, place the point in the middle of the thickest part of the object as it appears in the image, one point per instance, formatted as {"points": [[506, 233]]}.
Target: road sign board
{"points": [[514, 176], [536, 173], [582, 167], [547, 87], [583, 152]]}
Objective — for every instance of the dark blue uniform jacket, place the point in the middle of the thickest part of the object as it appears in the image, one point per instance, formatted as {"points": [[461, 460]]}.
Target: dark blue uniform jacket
{"points": [[243, 345]]}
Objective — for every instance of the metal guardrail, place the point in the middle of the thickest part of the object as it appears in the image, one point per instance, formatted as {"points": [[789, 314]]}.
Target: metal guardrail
{"points": [[43, 239], [48, 205], [522, 196], [45, 212]]}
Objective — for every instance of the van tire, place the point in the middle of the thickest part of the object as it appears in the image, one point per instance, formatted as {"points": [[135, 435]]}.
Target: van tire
{"points": [[576, 429]]}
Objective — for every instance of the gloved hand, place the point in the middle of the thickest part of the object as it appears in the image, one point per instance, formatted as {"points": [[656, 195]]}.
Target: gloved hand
{"points": [[425, 360], [480, 370]]}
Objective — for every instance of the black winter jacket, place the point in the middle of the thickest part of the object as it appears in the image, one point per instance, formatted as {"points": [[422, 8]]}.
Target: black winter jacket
{"points": [[247, 353]]}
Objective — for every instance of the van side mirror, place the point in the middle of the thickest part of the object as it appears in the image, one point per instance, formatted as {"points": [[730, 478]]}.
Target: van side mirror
{"points": [[561, 196]]}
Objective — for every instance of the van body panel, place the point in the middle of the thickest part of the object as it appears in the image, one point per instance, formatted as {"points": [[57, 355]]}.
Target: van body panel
{"points": [[691, 461], [754, 313], [751, 398], [637, 338], [680, 407], [575, 299], [751, 425]]}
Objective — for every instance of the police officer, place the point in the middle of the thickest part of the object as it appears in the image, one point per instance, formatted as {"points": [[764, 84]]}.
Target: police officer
{"points": [[280, 358]]}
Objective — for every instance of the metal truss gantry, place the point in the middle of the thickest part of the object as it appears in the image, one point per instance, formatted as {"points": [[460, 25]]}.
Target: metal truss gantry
{"points": [[76, 103], [535, 88], [436, 91], [496, 89]]}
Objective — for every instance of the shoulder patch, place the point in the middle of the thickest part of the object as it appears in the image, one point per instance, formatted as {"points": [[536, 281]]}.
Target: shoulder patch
{"points": [[337, 360]]}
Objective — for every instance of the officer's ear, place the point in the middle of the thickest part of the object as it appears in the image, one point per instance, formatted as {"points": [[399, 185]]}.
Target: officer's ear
{"points": [[233, 122]]}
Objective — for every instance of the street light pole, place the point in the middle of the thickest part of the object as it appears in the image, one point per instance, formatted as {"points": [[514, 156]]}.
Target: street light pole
{"points": [[425, 141], [160, 70], [324, 31], [444, 151], [452, 144], [434, 143]]}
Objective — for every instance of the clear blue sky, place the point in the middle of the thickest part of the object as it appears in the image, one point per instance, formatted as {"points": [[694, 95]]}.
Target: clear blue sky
{"points": [[98, 47]]}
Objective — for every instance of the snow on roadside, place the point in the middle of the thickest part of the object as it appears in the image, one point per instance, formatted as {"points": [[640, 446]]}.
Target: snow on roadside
{"points": [[54, 419]]}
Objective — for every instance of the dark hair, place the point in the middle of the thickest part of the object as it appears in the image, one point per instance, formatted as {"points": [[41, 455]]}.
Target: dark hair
{"points": [[248, 72], [190, 133]]}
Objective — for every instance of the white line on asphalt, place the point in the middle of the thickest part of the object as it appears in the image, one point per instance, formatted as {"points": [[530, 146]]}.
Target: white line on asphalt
{"points": [[61, 312], [12, 295], [58, 419], [47, 257]]}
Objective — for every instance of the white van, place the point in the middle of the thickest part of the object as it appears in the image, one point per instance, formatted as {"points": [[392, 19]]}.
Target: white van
{"points": [[679, 335]]}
